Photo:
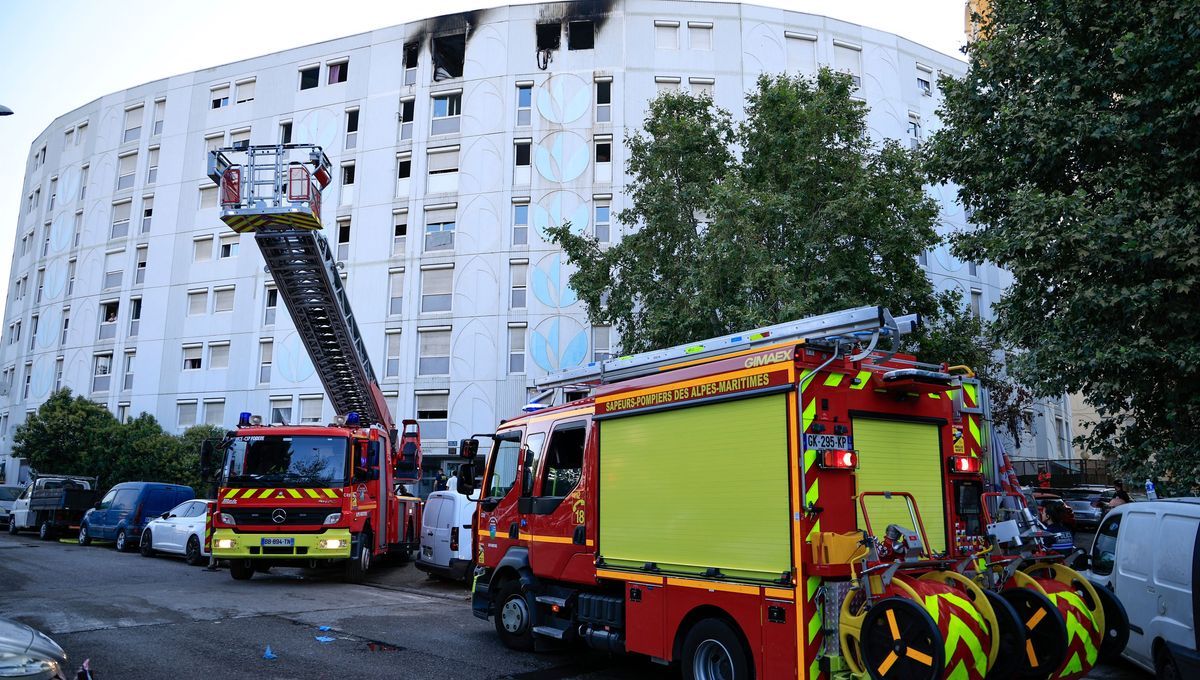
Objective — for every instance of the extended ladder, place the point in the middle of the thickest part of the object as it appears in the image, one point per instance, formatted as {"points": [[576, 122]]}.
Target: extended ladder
{"points": [[279, 199], [862, 325]]}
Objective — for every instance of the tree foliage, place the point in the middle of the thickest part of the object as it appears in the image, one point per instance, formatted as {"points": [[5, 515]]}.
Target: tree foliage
{"points": [[1073, 137], [792, 212], [78, 436]]}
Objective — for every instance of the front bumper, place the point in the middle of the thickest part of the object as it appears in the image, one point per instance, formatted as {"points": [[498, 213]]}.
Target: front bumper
{"points": [[305, 546]]}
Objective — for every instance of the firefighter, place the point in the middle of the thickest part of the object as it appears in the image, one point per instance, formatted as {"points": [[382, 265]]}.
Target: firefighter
{"points": [[1043, 478]]}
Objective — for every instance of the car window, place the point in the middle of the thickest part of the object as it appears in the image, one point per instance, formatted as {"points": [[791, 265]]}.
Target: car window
{"points": [[564, 461], [433, 508], [181, 510], [1104, 550], [106, 502], [504, 468], [9, 493], [198, 508], [124, 499]]}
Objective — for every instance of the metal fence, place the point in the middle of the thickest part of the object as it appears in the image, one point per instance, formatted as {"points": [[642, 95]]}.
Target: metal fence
{"points": [[1064, 473]]}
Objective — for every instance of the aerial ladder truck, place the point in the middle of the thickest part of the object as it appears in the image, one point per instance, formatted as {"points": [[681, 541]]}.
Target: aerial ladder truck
{"points": [[305, 494]]}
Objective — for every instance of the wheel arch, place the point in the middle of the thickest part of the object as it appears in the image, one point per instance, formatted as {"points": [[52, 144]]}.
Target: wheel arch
{"points": [[514, 565], [709, 611]]}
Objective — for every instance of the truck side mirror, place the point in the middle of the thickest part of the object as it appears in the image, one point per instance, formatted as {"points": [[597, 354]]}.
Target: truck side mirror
{"points": [[527, 473], [466, 479], [468, 448], [207, 447]]}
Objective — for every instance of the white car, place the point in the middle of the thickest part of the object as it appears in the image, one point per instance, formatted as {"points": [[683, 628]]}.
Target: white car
{"points": [[179, 531], [446, 534]]}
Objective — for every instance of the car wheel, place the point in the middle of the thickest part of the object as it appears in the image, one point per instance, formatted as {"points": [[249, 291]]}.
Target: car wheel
{"points": [[712, 651], [12, 526], [241, 570], [45, 531], [193, 554], [514, 622], [147, 545], [122, 541], [84, 537], [1165, 667]]}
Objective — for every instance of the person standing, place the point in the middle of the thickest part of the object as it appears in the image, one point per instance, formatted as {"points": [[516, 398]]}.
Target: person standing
{"points": [[1043, 478], [1121, 497]]}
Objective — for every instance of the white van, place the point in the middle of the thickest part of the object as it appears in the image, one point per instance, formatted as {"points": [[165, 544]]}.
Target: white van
{"points": [[1145, 552], [446, 534]]}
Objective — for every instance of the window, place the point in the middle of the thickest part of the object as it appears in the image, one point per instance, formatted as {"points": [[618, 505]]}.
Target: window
{"points": [[126, 166], [223, 299], [186, 413], [666, 35], [108, 319], [348, 174], [218, 355], [33, 329], [433, 354], [667, 83], [41, 284], [266, 351], [603, 224], [924, 87], [411, 52], [245, 91], [520, 232], [160, 111], [436, 289], [972, 268], [120, 219], [83, 182], [208, 197], [343, 239], [439, 227], [406, 118], [581, 35], [271, 304], [80, 132], [700, 35], [53, 194], [101, 371], [604, 101], [392, 354], [923, 258], [28, 379], [240, 139], [78, 226], [403, 172], [310, 410], [351, 128], [432, 411], [197, 302], [228, 247], [396, 291], [309, 77], [447, 111], [193, 357], [604, 149], [281, 410], [521, 155], [66, 325], [152, 165], [847, 58], [1104, 550], [127, 379], [69, 137], [601, 343], [524, 104], [135, 316], [442, 164], [114, 269], [214, 142], [133, 124], [449, 52], [139, 268], [564, 461], [518, 275], [58, 374], [219, 96], [516, 348], [338, 72], [285, 132], [914, 130], [504, 468], [202, 249], [976, 302], [702, 86], [214, 412], [399, 232]]}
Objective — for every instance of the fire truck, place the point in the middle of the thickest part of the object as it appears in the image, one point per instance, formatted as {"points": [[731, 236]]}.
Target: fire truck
{"points": [[307, 494], [796, 501]]}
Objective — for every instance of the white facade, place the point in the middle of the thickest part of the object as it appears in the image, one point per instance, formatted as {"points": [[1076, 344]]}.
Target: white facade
{"points": [[461, 301]]}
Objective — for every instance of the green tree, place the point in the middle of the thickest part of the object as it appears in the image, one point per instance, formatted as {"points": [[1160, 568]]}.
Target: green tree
{"points": [[1073, 139], [66, 435]]}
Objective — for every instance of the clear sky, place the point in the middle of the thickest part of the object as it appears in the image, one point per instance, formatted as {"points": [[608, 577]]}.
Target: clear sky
{"points": [[61, 54]]}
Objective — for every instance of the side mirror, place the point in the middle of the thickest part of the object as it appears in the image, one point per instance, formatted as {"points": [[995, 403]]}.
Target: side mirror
{"points": [[96, 505], [466, 479], [166, 515], [207, 448], [468, 448], [527, 473]]}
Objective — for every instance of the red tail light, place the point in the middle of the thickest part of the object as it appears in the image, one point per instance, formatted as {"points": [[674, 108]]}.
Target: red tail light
{"points": [[454, 538], [966, 465], [839, 460]]}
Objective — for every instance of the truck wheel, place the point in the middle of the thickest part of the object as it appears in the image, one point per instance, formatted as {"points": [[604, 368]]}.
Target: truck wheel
{"points": [[241, 570], [84, 537], [514, 617], [358, 565], [712, 651], [1165, 667], [193, 555], [12, 526], [45, 530], [122, 541], [147, 546]]}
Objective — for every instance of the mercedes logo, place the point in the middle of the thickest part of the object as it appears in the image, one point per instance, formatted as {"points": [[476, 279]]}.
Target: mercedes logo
{"points": [[279, 516]]}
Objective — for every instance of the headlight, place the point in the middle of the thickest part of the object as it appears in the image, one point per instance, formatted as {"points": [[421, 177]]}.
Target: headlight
{"points": [[333, 518], [25, 666], [227, 518], [332, 544], [225, 544]]}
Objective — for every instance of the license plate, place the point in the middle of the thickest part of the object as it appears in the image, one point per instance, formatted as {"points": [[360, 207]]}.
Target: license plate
{"points": [[822, 442], [284, 542]]}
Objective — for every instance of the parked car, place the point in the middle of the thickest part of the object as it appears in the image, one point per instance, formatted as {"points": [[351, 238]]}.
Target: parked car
{"points": [[179, 531], [51, 504], [30, 654], [446, 534], [8, 494], [1046, 502], [1145, 552], [124, 511], [1087, 513]]}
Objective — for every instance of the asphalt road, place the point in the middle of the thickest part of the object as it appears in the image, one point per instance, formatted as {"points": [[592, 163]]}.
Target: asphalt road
{"points": [[158, 618]]}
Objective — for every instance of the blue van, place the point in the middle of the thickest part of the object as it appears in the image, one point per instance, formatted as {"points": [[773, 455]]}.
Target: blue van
{"points": [[124, 511]]}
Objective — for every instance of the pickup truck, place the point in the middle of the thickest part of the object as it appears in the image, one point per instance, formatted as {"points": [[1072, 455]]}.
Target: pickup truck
{"points": [[52, 504]]}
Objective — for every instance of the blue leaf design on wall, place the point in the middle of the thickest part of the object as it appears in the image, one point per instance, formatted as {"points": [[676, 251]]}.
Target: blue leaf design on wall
{"points": [[558, 208], [561, 157], [550, 284], [564, 98], [548, 350]]}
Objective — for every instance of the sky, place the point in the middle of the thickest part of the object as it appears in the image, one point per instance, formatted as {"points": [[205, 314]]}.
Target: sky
{"points": [[62, 54]]}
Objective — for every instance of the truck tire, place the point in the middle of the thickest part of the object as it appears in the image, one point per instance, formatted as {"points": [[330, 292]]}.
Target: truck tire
{"points": [[12, 526], [1165, 667], [46, 530], [514, 617], [241, 570], [713, 650], [358, 565], [84, 537]]}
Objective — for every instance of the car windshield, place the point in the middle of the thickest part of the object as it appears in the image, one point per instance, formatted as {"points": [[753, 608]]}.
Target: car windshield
{"points": [[287, 461], [9, 493]]}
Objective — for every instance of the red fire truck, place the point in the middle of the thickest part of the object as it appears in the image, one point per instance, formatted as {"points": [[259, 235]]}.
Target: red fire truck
{"points": [[307, 494], [716, 504]]}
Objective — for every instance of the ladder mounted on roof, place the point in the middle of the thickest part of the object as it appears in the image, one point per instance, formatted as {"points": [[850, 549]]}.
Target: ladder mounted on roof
{"points": [[859, 326], [276, 194]]}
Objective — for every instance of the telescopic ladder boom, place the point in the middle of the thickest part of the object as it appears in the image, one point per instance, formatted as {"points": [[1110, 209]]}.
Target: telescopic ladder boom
{"points": [[276, 194], [861, 325]]}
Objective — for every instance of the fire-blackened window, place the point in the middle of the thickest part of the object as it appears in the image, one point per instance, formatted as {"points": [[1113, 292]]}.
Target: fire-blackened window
{"points": [[581, 35], [549, 36], [410, 62], [449, 51]]}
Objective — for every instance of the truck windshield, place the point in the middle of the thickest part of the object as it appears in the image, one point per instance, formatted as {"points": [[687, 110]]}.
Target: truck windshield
{"points": [[287, 461]]}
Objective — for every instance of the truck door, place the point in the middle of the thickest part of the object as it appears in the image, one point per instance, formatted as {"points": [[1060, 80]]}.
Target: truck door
{"points": [[20, 510], [499, 524], [557, 517]]}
